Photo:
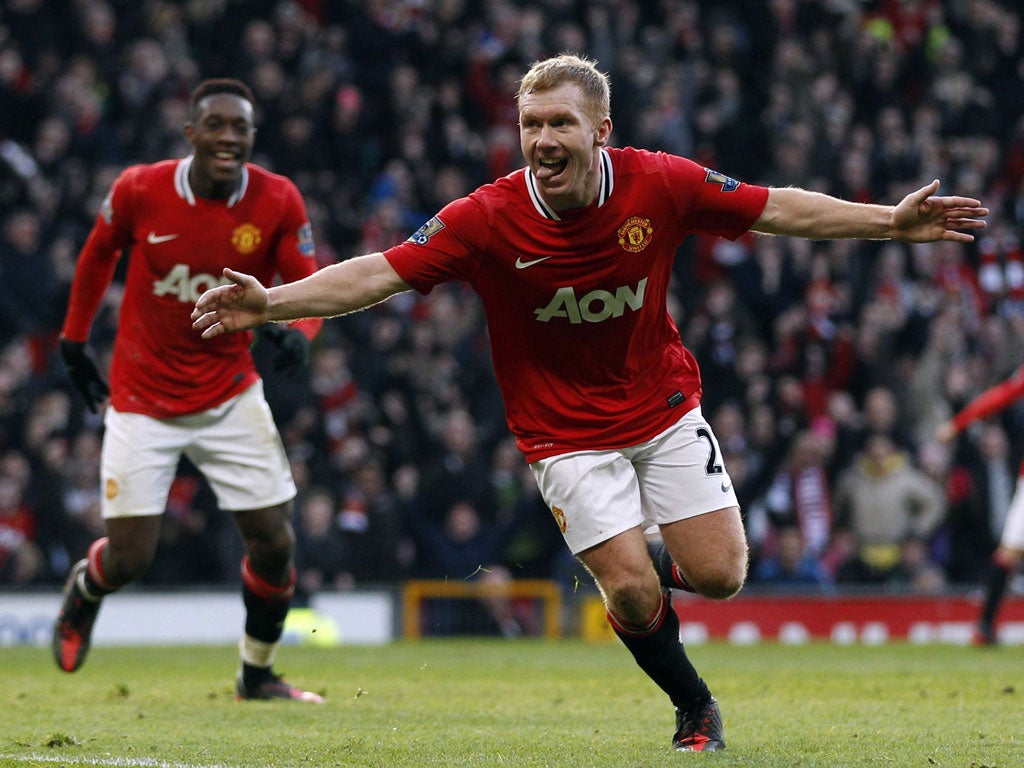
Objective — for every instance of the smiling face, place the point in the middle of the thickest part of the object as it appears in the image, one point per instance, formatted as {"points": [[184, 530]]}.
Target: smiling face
{"points": [[561, 140], [222, 134]]}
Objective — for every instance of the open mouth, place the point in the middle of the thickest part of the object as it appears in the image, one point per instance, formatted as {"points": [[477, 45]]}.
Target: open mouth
{"points": [[225, 159], [551, 168]]}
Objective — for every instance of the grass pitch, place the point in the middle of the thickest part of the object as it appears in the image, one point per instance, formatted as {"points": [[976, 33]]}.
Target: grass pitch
{"points": [[516, 703]]}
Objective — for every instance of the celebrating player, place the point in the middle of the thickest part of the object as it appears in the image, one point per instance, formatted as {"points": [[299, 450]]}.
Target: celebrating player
{"points": [[571, 258], [1008, 555], [183, 221]]}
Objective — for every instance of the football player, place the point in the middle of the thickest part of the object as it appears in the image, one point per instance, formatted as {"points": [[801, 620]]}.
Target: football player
{"points": [[571, 257], [179, 223]]}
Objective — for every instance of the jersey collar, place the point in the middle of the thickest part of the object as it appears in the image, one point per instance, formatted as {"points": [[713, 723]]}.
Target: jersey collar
{"points": [[545, 210], [184, 189]]}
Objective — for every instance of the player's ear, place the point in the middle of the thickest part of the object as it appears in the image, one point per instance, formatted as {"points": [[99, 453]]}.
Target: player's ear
{"points": [[603, 132], [190, 131]]}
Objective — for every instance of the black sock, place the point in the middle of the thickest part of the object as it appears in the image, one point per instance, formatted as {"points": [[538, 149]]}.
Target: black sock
{"points": [[995, 588], [266, 603], [659, 653], [264, 619], [253, 676]]}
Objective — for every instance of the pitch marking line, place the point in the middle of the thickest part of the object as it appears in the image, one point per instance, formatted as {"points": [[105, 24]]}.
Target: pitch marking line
{"points": [[116, 762]]}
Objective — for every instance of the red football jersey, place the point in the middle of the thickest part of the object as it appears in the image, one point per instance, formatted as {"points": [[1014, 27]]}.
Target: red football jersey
{"points": [[178, 244], [584, 349]]}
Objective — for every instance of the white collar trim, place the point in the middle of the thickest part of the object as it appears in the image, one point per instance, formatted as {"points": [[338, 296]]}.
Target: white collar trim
{"points": [[184, 189], [605, 191]]}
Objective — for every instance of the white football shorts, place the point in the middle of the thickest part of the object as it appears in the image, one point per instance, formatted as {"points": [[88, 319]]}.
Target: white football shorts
{"points": [[595, 495], [1013, 529], [235, 445]]}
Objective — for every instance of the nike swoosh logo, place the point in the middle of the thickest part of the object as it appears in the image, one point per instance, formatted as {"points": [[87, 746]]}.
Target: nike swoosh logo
{"points": [[726, 487], [153, 238], [520, 264]]}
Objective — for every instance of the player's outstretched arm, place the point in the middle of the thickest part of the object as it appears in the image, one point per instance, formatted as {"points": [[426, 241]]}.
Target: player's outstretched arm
{"points": [[335, 290], [918, 218]]}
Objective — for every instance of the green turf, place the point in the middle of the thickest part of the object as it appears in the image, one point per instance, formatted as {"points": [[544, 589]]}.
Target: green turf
{"points": [[515, 703]]}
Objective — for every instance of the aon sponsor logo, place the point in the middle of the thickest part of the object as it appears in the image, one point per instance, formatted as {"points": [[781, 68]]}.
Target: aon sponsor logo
{"points": [[592, 307], [186, 287]]}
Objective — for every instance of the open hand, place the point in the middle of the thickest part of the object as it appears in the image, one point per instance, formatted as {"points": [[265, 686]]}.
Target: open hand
{"points": [[237, 306], [921, 218]]}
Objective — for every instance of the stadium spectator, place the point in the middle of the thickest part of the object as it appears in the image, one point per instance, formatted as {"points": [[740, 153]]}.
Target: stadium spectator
{"points": [[172, 396], [606, 444], [21, 558], [28, 290], [916, 571], [800, 497], [881, 501], [457, 471], [464, 547], [372, 528], [790, 565], [321, 560]]}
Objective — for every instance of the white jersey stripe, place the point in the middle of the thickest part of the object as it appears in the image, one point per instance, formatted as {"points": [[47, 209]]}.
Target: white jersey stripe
{"points": [[181, 184], [605, 191], [184, 189], [607, 178], [542, 208]]}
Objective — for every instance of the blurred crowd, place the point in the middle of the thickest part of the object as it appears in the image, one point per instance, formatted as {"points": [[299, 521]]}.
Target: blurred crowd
{"points": [[827, 365]]}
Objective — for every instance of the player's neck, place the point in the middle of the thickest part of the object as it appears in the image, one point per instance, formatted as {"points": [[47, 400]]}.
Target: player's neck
{"points": [[211, 189], [574, 202], [580, 197]]}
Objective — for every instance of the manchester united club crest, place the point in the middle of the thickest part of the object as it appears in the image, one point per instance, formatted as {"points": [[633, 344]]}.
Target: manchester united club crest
{"points": [[635, 234], [560, 518], [246, 238]]}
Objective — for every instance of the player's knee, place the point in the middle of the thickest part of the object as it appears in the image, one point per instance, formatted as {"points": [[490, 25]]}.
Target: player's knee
{"points": [[632, 599], [718, 573], [720, 580]]}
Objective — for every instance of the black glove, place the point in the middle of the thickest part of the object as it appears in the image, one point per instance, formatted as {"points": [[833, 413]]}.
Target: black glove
{"points": [[84, 373], [292, 348]]}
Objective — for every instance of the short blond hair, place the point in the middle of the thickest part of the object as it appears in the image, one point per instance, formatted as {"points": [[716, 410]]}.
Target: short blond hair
{"points": [[568, 67]]}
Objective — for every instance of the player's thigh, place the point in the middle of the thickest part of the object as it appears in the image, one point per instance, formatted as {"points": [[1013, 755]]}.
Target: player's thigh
{"points": [[622, 568], [138, 463], [238, 449], [710, 550], [593, 495]]}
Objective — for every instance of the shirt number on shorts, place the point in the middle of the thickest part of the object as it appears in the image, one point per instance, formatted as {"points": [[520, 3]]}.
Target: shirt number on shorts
{"points": [[712, 467]]}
